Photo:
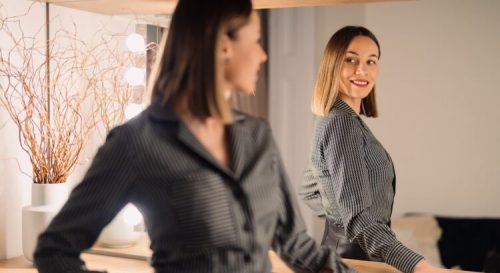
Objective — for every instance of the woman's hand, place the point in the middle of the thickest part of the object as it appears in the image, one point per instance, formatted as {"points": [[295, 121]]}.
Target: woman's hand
{"points": [[425, 267]]}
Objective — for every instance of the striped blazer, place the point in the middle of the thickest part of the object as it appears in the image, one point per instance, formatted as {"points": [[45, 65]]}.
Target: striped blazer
{"points": [[200, 216], [351, 181]]}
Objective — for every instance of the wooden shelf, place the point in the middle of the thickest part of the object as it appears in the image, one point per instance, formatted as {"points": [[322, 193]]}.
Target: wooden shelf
{"points": [[122, 265], [134, 259], [142, 7]]}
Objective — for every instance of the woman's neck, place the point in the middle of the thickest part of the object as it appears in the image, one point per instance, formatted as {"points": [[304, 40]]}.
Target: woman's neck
{"points": [[193, 121], [355, 104], [210, 132]]}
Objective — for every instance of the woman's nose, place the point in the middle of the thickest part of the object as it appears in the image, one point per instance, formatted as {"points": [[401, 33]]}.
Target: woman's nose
{"points": [[360, 70], [264, 56]]}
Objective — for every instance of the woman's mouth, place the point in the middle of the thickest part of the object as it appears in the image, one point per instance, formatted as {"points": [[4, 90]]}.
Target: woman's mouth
{"points": [[360, 83]]}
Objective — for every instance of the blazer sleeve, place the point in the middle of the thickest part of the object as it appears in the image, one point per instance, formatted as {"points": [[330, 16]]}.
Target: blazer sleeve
{"points": [[103, 192], [350, 188], [291, 242], [309, 192]]}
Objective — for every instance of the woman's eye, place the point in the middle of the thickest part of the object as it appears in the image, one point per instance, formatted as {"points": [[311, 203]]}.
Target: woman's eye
{"points": [[372, 62], [351, 61]]}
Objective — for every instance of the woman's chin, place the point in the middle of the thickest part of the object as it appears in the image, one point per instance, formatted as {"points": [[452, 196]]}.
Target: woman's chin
{"points": [[246, 91]]}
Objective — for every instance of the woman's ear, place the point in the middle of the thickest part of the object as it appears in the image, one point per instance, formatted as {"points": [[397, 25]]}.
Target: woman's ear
{"points": [[226, 48]]}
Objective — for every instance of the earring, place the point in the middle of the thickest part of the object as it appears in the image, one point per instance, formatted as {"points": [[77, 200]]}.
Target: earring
{"points": [[227, 94]]}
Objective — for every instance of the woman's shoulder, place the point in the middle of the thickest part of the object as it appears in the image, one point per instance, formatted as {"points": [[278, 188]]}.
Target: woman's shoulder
{"points": [[337, 124], [250, 123], [338, 119], [255, 129], [341, 114], [130, 130]]}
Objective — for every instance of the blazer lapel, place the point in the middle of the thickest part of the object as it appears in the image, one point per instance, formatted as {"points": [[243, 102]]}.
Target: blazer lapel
{"points": [[239, 138], [185, 136], [237, 149]]}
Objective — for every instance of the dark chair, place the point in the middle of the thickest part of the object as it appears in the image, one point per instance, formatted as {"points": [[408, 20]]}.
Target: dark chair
{"points": [[471, 243]]}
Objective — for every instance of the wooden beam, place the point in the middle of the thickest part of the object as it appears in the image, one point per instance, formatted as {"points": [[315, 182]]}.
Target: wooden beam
{"points": [[142, 7], [269, 4], [120, 7]]}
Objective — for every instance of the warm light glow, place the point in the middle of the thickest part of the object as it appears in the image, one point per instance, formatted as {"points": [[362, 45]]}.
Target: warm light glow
{"points": [[121, 231], [133, 110], [135, 76], [135, 43], [131, 215]]}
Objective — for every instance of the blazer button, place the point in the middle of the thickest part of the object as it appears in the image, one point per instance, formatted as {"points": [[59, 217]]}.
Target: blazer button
{"points": [[274, 163], [246, 227], [239, 194]]}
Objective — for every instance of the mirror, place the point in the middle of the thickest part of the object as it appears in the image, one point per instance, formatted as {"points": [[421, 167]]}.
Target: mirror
{"points": [[436, 93]]}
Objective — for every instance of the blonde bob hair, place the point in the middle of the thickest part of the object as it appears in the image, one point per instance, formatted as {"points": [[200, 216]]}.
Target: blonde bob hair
{"points": [[187, 68], [326, 88]]}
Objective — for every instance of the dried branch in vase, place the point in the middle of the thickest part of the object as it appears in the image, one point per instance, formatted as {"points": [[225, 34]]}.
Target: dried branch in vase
{"points": [[111, 93], [57, 97]]}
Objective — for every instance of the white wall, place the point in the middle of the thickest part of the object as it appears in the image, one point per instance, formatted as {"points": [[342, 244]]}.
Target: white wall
{"points": [[15, 188], [437, 91]]}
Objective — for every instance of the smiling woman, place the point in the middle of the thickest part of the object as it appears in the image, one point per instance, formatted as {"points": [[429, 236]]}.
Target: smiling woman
{"points": [[351, 179]]}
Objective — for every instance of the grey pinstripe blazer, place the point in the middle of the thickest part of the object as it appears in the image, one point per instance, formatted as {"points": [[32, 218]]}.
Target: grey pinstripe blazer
{"points": [[200, 216], [351, 181]]}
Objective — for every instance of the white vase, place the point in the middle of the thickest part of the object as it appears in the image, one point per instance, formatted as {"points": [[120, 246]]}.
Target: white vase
{"points": [[46, 201]]}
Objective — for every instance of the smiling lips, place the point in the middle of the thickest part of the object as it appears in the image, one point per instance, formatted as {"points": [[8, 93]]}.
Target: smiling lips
{"points": [[360, 83]]}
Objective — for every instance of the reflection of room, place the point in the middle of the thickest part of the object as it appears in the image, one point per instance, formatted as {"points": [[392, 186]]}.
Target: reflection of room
{"points": [[436, 92]]}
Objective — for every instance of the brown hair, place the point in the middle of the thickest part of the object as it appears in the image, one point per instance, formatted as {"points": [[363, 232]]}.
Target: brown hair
{"points": [[326, 88], [187, 68]]}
